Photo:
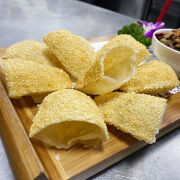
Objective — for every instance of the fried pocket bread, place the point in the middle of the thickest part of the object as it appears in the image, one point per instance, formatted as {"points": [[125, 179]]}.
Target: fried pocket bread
{"points": [[24, 78], [31, 50], [138, 114], [127, 40], [74, 52], [68, 117], [152, 77], [115, 64]]}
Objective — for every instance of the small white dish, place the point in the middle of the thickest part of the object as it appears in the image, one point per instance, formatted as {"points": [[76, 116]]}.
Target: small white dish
{"points": [[165, 53]]}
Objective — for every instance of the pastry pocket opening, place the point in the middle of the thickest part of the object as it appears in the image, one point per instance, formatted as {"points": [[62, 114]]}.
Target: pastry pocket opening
{"points": [[68, 133], [117, 66]]}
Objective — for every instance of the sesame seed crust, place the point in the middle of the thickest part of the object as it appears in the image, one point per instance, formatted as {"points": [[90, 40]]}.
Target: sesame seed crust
{"points": [[29, 78], [74, 52], [152, 77], [68, 105], [95, 73], [129, 41], [31, 50], [137, 114]]}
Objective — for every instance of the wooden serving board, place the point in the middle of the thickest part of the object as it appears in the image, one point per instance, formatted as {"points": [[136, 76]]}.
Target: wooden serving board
{"points": [[34, 160]]}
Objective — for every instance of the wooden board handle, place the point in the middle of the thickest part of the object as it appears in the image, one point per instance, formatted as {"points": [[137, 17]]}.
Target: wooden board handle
{"points": [[25, 165]]}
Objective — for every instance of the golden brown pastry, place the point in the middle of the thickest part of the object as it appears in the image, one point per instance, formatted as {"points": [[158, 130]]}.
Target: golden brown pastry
{"points": [[115, 64], [74, 52], [31, 50], [138, 114], [153, 77], [69, 117], [24, 78]]}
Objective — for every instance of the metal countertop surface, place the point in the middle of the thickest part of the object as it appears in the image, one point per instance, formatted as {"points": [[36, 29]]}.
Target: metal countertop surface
{"points": [[31, 19]]}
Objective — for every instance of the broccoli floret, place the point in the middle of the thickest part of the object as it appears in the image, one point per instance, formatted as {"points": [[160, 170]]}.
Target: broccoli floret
{"points": [[137, 32]]}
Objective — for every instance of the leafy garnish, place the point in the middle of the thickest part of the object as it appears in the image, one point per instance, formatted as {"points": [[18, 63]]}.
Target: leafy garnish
{"points": [[137, 32]]}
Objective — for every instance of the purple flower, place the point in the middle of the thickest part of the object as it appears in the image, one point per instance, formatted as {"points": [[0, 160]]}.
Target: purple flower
{"points": [[150, 28]]}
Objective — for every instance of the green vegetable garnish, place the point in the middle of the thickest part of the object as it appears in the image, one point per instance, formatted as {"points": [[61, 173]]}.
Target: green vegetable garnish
{"points": [[137, 32]]}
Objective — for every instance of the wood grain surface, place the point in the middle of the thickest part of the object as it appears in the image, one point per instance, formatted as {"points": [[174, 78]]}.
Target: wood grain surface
{"points": [[34, 160]]}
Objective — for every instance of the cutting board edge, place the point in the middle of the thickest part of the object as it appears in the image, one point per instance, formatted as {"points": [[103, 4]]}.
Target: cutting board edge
{"points": [[9, 142], [122, 154]]}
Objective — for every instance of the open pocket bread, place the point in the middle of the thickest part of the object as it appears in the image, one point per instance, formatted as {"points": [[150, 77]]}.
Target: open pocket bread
{"points": [[68, 117], [115, 64]]}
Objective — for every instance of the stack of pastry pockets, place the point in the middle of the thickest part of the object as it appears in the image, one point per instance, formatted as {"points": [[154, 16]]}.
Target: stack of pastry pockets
{"points": [[153, 77], [68, 117], [74, 52], [35, 51], [115, 64], [24, 78], [138, 114]]}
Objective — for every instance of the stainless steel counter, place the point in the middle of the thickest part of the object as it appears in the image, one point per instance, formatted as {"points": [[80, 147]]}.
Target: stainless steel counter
{"points": [[31, 19]]}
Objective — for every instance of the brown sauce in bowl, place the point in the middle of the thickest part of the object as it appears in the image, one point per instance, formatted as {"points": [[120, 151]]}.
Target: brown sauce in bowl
{"points": [[170, 39]]}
